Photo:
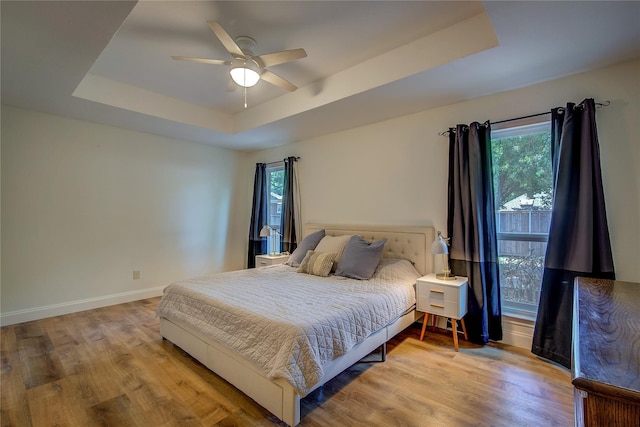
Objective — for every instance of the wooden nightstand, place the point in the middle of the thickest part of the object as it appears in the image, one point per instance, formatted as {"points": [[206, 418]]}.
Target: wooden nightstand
{"points": [[263, 260], [447, 298]]}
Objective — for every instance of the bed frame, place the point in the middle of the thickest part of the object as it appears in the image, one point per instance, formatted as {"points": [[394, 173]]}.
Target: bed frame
{"points": [[278, 396]]}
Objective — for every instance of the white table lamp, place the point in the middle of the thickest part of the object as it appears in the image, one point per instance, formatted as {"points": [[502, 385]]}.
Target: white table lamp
{"points": [[269, 231], [440, 247]]}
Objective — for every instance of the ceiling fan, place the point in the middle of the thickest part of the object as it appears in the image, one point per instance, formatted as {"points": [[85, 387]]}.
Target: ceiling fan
{"points": [[246, 67]]}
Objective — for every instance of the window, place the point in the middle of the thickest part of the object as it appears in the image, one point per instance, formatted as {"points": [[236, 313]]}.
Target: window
{"points": [[275, 184], [523, 186]]}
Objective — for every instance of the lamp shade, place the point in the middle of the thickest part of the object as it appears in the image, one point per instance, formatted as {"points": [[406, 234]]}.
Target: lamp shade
{"points": [[265, 231], [245, 73], [439, 246]]}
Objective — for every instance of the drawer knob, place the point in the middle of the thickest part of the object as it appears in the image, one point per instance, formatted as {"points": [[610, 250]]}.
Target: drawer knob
{"points": [[437, 305], [436, 291]]}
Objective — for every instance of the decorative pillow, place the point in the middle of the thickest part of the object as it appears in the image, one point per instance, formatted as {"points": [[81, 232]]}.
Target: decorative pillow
{"points": [[334, 245], [309, 243], [360, 258], [317, 263], [396, 270]]}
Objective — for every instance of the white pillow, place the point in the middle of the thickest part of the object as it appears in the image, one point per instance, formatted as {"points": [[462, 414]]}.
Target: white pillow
{"points": [[334, 245], [396, 270]]}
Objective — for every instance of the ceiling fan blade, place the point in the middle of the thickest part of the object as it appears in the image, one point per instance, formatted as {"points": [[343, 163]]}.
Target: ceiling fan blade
{"points": [[275, 58], [226, 40], [276, 80], [202, 60]]}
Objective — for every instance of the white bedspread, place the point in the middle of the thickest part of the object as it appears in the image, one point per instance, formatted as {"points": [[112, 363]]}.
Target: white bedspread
{"points": [[287, 323]]}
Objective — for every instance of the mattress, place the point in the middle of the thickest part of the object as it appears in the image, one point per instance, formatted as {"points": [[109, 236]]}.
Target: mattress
{"points": [[289, 324]]}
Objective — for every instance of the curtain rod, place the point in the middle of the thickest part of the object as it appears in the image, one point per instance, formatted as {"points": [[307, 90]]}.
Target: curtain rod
{"points": [[598, 105], [280, 161]]}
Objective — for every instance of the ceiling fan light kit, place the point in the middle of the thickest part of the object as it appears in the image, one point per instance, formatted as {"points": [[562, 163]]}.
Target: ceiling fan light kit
{"points": [[246, 68], [245, 72]]}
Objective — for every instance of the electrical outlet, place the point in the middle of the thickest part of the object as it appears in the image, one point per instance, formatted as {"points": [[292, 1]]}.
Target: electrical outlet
{"points": [[136, 274]]}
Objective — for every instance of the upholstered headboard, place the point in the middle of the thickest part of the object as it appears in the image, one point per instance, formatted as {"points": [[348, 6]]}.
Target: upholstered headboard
{"points": [[406, 242]]}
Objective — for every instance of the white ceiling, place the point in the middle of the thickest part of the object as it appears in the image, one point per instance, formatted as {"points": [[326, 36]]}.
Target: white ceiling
{"points": [[109, 62]]}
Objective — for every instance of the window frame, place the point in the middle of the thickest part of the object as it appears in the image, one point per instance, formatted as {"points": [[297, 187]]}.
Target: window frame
{"points": [[273, 243], [509, 129]]}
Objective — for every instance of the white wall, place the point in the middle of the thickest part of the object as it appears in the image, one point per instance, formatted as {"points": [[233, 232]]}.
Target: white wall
{"points": [[396, 171], [84, 205]]}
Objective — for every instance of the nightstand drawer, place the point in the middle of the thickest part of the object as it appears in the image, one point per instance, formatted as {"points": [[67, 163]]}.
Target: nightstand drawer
{"points": [[437, 292], [261, 262], [440, 308], [265, 260]]}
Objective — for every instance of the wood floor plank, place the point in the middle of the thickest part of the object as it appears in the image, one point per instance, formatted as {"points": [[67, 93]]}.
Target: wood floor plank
{"points": [[57, 404], [389, 401], [111, 367], [112, 412], [14, 405], [187, 387], [231, 394], [243, 419], [40, 362], [474, 378], [59, 331]]}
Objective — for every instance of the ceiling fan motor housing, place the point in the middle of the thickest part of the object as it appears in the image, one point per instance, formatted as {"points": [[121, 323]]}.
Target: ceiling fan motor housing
{"points": [[246, 44]]}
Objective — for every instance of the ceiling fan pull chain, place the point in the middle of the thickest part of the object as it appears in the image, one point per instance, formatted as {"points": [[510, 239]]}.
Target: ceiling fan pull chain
{"points": [[245, 88]]}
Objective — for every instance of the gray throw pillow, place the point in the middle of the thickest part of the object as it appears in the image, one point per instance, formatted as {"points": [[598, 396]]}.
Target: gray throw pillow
{"points": [[309, 243], [317, 263], [360, 258]]}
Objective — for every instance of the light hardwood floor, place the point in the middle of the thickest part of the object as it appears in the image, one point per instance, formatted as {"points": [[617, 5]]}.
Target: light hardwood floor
{"points": [[109, 367]]}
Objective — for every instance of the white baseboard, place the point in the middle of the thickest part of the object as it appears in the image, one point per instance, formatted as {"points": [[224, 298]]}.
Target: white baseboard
{"points": [[43, 312], [517, 332]]}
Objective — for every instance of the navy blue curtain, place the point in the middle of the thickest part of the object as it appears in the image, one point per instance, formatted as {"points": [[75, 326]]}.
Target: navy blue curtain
{"points": [[471, 228], [288, 240], [257, 244], [579, 242]]}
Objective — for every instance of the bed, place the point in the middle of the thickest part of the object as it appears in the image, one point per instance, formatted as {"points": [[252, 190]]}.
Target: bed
{"points": [[262, 379]]}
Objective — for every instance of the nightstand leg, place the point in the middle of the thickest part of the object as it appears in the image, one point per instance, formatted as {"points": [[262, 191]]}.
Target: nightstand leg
{"points": [[464, 329], [454, 326], [435, 322], [424, 325]]}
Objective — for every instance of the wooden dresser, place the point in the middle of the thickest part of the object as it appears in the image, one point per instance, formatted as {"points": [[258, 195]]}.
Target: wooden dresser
{"points": [[606, 353]]}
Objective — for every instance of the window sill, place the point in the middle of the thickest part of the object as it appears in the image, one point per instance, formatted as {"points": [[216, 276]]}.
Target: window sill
{"points": [[526, 316]]}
